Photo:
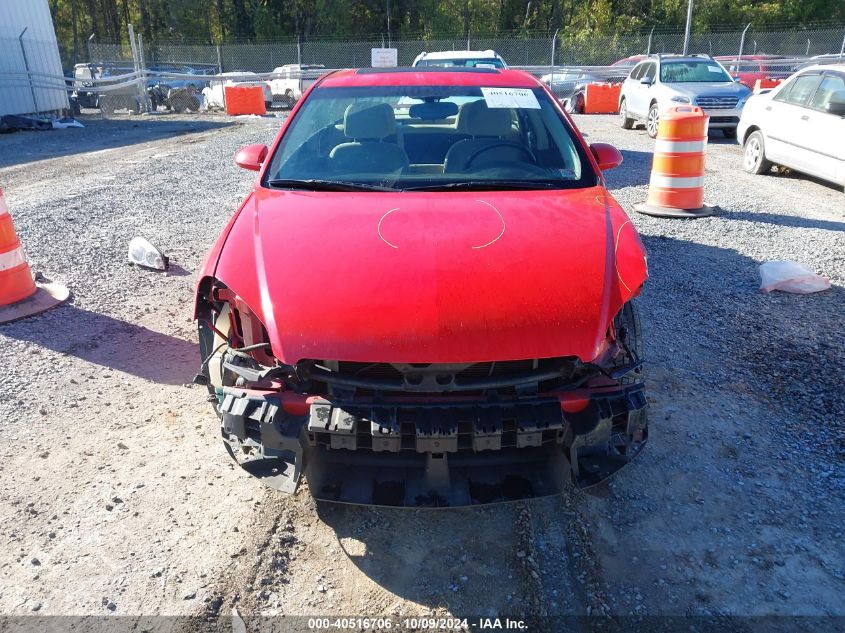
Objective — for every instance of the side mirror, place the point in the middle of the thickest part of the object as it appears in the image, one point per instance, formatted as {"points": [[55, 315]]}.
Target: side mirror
{"points": [[836, 108], [646, 81], [606, 156], [251, 156]]}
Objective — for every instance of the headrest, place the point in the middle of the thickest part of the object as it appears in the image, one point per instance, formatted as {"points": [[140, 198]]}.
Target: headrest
{"points": [[368, 121], [476, 119]]}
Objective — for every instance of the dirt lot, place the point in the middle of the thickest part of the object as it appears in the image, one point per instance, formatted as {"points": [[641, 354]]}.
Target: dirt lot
{"points": [[117, 495]]}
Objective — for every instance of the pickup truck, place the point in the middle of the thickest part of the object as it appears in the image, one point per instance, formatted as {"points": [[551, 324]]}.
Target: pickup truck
{"points": [[291, 81]]}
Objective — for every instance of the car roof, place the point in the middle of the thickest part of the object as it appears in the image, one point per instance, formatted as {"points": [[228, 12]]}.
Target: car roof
{"points": [[682, 58], [630, 59], [431, 76], [459, 54], [837, 67], [723, 58], [301, 66]]}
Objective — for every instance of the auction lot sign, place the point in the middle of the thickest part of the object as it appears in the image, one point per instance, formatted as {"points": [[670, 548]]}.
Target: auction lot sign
{"points": [[384, 57]]}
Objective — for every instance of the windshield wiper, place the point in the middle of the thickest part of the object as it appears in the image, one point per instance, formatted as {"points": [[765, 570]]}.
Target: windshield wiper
{"points": [[489, 185], [313, 184]]}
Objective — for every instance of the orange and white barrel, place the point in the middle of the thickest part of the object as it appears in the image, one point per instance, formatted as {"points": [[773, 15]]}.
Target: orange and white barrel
{"points": [[16, 280], [20, 294], [676, 186]]}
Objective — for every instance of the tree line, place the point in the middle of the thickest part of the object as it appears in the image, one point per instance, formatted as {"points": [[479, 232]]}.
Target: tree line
{"points": [[223, 21]]}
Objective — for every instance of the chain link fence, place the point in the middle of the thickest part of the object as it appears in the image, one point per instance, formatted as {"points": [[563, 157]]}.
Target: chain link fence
{"points": [[532, 50], [184, 77]]}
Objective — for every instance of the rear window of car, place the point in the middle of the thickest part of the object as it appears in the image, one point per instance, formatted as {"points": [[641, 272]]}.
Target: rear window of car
{"points": [[422, 136]]}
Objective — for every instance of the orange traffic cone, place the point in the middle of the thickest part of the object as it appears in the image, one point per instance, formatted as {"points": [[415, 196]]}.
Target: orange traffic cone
{"points": [[20, 295], [676, 187]]}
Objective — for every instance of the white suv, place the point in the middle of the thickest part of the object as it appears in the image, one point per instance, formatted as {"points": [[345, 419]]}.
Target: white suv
{"points": [[664, 81]]}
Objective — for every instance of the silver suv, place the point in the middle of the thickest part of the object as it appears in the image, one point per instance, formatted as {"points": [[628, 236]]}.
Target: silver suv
{"points": [[664, 81]]}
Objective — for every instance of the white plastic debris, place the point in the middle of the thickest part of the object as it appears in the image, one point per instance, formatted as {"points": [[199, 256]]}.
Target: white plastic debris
{"points": [[143, 253], [61, 124], [238, 625], [792, 277]]}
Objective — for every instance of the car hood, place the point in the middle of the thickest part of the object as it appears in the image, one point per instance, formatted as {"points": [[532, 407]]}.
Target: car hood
{"points": [[719, 88], [433, 277]]}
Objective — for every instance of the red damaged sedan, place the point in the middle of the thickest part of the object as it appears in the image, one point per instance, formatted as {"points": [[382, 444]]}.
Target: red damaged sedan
{"points": [[426, 298]]}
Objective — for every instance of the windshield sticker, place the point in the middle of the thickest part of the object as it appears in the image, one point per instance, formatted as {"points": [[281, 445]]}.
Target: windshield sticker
{"points": [[510, 98], [714, 69]]}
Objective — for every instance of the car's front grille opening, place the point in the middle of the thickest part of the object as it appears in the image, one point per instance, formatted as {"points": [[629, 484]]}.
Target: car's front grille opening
{"points": [[477, 370], [713, 102], [369, 380]]}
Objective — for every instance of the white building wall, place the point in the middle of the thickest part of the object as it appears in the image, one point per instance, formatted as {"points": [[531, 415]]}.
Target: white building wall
{"points": [[43, 90]]}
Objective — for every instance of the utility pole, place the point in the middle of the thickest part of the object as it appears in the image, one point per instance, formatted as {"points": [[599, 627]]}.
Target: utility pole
{"points": [[689, 26], [388, 22]]}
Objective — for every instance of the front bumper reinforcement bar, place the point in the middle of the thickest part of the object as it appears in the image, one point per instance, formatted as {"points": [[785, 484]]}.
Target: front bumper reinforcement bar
{"points": [[434, 453]]}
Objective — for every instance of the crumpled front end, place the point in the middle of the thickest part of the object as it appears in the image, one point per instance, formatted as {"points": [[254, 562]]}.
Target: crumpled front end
{"points": [[429, 453], [403, 382], [425, 435]]}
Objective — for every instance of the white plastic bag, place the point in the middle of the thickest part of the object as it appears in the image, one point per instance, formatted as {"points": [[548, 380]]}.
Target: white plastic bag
{"points": [[791, 277]]}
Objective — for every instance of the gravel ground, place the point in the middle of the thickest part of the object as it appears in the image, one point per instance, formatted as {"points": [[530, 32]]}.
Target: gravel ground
{"points": [[118, 498]]}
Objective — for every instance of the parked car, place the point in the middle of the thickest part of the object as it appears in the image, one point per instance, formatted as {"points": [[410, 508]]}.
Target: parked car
{"points": [[563, 83], [176, 99], [115, 94], [85, 77], [629, 62], [293, 80], [572, 85], [431, 321], [214, 94], [830, 58], [74, 108], [800, 124], [463, 59], [178, 94], [664, 81], [747, 69]]}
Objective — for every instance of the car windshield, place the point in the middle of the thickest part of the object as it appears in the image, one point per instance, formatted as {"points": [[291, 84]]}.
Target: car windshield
{"points": [[485, 62], [692, 72], [429, 137]]}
